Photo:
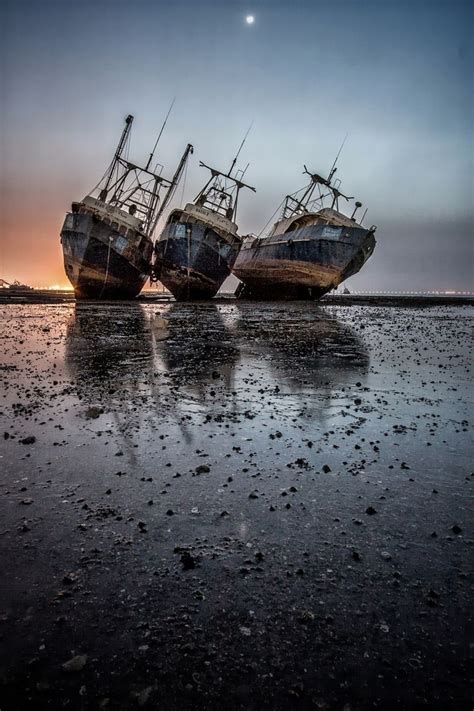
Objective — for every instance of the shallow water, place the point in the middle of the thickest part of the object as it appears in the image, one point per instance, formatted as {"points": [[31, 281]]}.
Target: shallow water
{"points": [[301, 418]]}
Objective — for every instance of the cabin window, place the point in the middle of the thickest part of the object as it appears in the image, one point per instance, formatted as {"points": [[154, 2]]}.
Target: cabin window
{"points": [[330, 231], [120, 244]]}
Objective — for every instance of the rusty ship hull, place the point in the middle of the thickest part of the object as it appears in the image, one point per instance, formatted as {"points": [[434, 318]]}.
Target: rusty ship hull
{"points": [[103, 260], [304, 263], [194, 257]]}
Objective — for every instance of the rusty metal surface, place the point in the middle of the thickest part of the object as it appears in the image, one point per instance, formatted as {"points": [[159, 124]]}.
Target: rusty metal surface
{"points": [[306, 264]]}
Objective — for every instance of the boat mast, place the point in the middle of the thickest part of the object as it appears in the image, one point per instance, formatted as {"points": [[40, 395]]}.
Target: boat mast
{"points": [[292, 205], [136, 188], [240, 148], [118, 154], [159, 136], [333, 169], [215, 195], [173, 185]]}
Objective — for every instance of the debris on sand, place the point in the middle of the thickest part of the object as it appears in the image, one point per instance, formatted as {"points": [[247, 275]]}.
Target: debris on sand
{"points": [[228, 558], [75, 664]]}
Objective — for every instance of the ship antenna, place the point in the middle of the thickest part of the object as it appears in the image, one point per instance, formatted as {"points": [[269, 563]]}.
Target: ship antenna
{"points": [[244, 171], [240, 148], [160, 133], [333, 169]]}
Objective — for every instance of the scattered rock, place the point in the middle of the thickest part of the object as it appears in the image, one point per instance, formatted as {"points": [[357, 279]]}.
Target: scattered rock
{"points": [[202, 469], [187, 560], [92, 413], [144, 696], [75, 664]]}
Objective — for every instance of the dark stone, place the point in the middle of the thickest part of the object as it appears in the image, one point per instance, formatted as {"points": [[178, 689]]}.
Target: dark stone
{"points": [[202, 469], [187, 560]]}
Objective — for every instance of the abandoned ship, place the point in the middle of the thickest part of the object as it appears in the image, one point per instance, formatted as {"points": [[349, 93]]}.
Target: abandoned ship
{"points": [[107, 240], [199, 244], [310, 250]]}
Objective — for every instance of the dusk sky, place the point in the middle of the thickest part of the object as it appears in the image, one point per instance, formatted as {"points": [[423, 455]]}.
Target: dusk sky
{"points": [[396, 76]]}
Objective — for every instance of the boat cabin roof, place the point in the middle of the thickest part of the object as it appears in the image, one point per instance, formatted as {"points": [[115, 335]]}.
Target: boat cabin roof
{"points": [[204, 214], [111, 211], [326, 215]]}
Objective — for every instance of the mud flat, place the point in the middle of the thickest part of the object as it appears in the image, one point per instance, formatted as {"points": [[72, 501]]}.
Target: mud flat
{"points": [[235, 506]]}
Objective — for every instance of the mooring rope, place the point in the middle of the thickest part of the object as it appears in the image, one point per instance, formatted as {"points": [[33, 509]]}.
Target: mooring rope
{"points": [[107, 268]]}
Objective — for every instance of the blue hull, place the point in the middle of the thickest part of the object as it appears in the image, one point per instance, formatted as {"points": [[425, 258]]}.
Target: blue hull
{"points": [[192, 259]]}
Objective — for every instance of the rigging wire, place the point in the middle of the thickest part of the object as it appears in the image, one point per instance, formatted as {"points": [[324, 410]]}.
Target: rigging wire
{"points": [[271, 218], [107, 269], [292, 195]]}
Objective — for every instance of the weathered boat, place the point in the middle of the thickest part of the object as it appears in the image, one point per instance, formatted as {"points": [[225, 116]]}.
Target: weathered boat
{"points": [[107, 240], [310, 250], [199, 244], [16, 287]]}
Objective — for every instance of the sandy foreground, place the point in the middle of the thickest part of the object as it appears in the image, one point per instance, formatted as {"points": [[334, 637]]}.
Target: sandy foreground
{"points": [[235, 506]]}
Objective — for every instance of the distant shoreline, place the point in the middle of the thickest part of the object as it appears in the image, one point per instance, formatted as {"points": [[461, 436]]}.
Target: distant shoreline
{"points": [[47, 296]]}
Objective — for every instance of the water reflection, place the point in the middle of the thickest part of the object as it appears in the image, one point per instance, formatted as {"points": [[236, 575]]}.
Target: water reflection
{"points": [[109, 353], [148, 366], [302, 351], [108, 346], [198, 349]]}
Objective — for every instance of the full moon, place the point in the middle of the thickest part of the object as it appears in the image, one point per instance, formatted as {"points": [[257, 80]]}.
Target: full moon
{"points": [[250, 19]]}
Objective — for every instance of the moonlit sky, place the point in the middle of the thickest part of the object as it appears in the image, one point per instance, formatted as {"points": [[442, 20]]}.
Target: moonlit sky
{"points": [[396, 76]]}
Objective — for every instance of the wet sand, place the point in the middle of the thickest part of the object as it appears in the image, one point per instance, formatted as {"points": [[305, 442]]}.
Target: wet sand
{"points": [[235, 506]]}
